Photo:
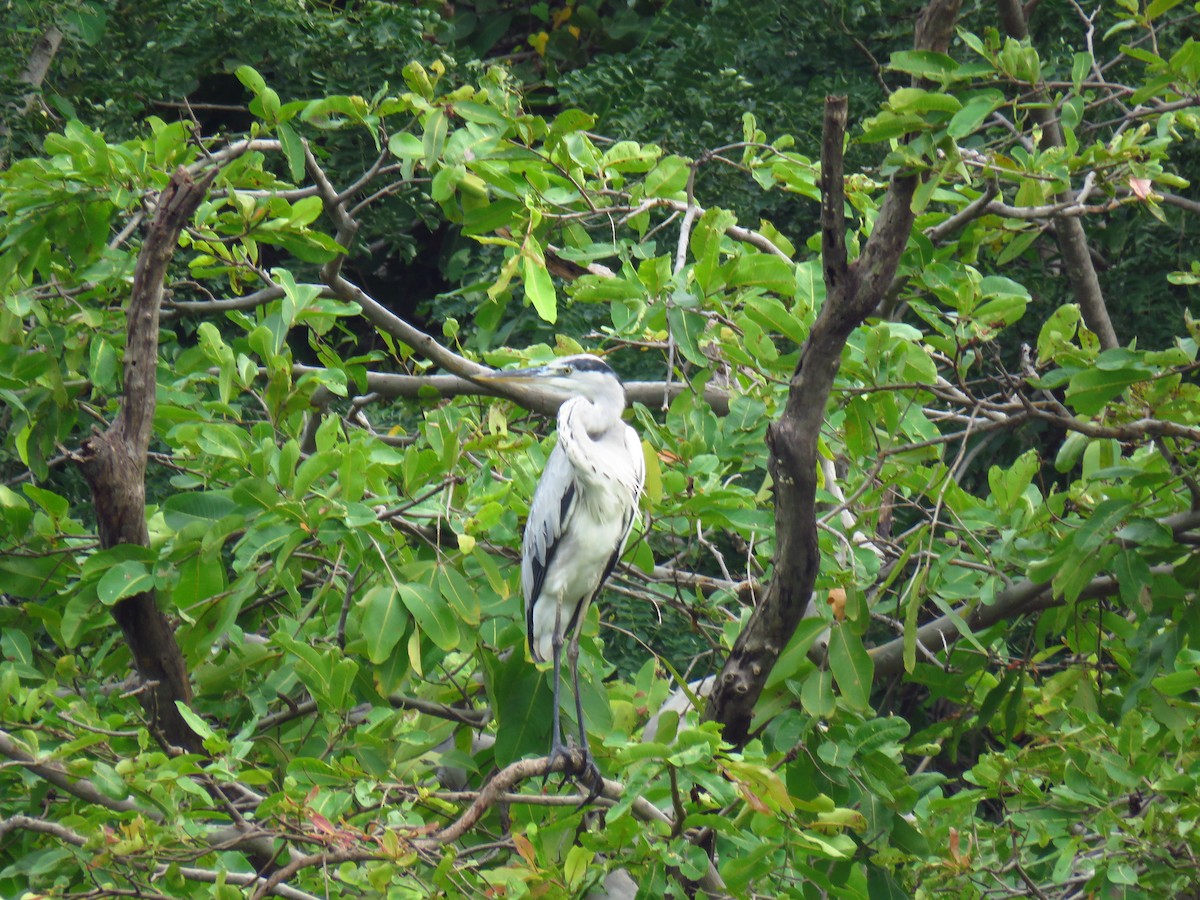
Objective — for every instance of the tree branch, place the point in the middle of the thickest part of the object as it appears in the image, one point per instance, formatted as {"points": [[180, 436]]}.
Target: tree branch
{"points": [[853, 290], [524, 769], [36, 68], [209, 876], [114, 465], [414, 387], [1072, 240], [382, 317], [1018, 600]]}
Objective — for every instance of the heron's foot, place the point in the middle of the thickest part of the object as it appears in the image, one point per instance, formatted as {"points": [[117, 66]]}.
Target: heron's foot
{"points": [[559, 750], [578, 766], [590, 778]]}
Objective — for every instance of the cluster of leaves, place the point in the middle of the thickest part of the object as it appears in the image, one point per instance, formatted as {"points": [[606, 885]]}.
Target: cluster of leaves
{"points": [[345, 597]]}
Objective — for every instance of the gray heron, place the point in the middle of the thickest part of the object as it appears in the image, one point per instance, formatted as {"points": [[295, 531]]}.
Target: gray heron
{"points": [[580, 517]]}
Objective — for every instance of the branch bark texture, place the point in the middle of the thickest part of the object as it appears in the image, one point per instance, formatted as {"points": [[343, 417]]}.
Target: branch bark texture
{"points": [[114, 464], [1072, 239], [853, 290], [36, 68]]}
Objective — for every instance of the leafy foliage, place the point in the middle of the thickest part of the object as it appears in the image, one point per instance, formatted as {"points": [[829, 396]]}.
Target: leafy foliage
{"points": [[999, 693]]}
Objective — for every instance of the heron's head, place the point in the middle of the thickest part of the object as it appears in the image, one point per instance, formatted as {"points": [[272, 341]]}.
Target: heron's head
{"points": [[582, 375]]}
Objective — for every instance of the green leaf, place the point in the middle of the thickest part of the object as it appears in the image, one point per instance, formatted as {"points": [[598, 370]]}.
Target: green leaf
{"points": [[924, 64], [436, 127], [571, 120], [852, 668], [687, 328], [194, 721], [293, 151], [251, 79], [539, 286], [432, 614], [1101, 524], [795, 655], [764, 271], [462, 597], [200, 578], [1081, 65], [917, 100], [57, 506], [973, 113], [124, 580], [384, 621], [406, 145], [667, 178], [706, 245], [889, 125], [521, 700], [1091, 389], [1157, 7], [816, 694], [627, 156]]}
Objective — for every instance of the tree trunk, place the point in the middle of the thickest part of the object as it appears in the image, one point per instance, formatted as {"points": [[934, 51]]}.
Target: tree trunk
{"points": [[114, 464], [853, 291]]}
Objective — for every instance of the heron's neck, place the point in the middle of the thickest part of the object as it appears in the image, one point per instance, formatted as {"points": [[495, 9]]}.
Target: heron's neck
{"points": [[594, 418]]}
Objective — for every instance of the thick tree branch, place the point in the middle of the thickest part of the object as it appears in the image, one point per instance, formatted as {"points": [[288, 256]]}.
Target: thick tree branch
{"points": [[524, 769], [1072, 240], [209, 876], [36, 68], [1018, 600], [76, 787], [853, 290], [382, 317], [414, 387], [230, 836], [833, 190], [114, 465]]}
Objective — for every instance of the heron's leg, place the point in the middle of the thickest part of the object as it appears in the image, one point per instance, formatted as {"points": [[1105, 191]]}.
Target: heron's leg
{"points": [[556, 646], [573, 659], [557, 747], [591, 777]]}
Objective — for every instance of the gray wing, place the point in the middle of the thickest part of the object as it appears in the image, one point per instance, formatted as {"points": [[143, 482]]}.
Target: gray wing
{"points": [[550, 513]]}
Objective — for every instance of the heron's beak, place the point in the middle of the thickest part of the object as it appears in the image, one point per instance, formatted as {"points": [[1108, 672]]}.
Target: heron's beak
{"points": [[514, 376]]}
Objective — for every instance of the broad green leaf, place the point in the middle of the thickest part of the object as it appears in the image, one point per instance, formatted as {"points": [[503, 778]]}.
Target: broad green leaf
{"points": [[521, 699], [667, 178], [572, 120], [124, 580], [251, 79], [200, 578], [432, 613], [852, 668], [924, 64], [1101, 524], [1091, 389], [539, 286], [917, 100], [293, 151], [435, 138], [687, 328], [627, 156], [406, 145], [194, 721], [973, 113], [795, 655], [461, 595], [384, 621], [816, 694], [765, 271]]}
